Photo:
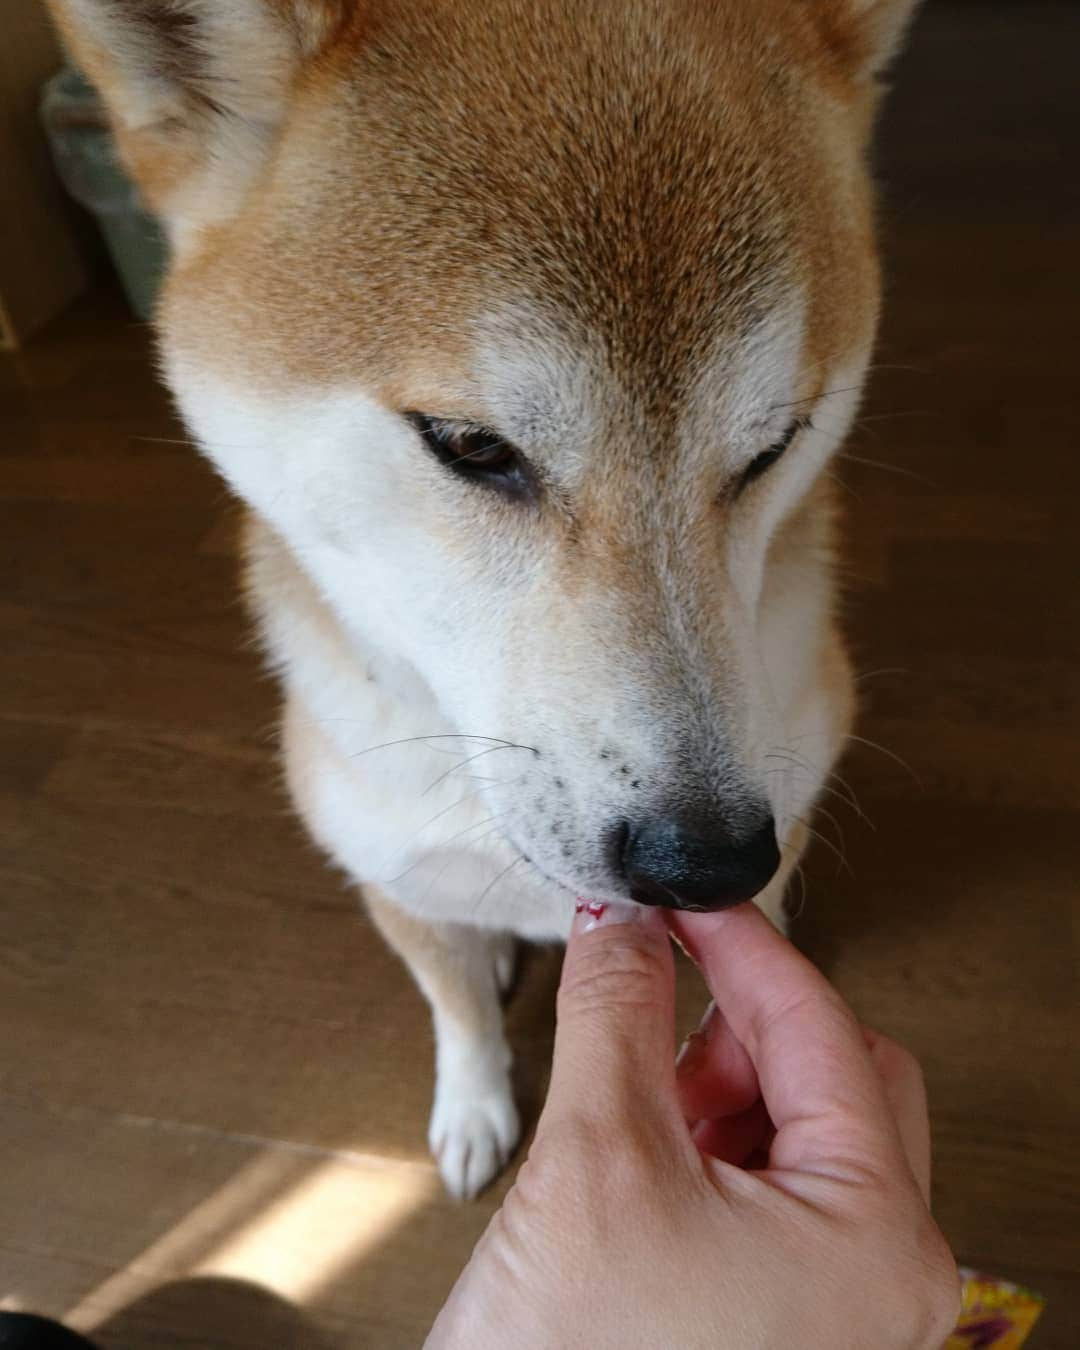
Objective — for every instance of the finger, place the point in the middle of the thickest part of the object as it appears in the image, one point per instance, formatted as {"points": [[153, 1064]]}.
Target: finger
{"points": [[616, 1018], [734, 1139], [816, 1076], [905, 1092], [714, 1074]]}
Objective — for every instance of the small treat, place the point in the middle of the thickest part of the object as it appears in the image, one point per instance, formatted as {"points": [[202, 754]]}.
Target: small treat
{"points": [[995, 1315]]}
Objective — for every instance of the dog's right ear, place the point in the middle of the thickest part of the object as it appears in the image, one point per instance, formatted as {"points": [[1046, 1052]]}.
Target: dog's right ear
{"points": [[196, 89], [863, 36]]}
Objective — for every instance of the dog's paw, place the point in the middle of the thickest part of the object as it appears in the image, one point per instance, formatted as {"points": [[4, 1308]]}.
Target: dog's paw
{"points": [[504, 956], [472, 1135]]}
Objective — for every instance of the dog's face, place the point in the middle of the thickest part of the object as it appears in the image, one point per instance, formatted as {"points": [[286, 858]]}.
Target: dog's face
{"points": [[530, 327]]}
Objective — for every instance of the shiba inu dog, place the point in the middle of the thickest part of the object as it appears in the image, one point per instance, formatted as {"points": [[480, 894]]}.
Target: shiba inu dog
{"points": [[525, 329]]}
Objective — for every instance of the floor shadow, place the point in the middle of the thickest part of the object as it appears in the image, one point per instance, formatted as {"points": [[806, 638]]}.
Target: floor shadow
{"points": [[211, 1314]]}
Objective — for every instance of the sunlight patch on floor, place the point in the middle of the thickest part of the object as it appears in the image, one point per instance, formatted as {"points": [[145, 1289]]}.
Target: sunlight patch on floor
{"points": [[331, 1219], [289, 1228]]}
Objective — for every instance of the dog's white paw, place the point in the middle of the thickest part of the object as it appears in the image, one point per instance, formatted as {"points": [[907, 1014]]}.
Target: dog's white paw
{"points": [[472, 1135], [504, 955]]}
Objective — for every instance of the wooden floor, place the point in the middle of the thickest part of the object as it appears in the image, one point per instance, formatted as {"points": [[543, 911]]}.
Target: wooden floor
{"points": [[215, 1081]]}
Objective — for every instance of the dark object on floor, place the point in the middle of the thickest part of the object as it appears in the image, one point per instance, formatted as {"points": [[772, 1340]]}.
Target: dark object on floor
{"points": [[21, 1331]]}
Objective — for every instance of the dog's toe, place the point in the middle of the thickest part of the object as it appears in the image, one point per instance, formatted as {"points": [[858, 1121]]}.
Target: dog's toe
{"points": [[472, 1138]]}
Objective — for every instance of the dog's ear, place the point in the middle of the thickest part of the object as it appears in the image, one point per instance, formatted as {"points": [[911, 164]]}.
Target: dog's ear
{"points": [[196, 89], [863, 35]]}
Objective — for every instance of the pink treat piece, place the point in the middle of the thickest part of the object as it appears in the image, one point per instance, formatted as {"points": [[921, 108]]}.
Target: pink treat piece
{"points": [[594, 908]]}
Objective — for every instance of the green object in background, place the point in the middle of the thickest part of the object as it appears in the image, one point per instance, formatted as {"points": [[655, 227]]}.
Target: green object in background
{"points": [[85, 156]]}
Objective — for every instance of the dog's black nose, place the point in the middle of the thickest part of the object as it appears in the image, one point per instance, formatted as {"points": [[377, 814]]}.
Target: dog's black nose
{"points": [[687, 864]]}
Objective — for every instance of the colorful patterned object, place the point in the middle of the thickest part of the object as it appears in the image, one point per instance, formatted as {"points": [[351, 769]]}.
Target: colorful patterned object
{"points": [[995, 1315]]}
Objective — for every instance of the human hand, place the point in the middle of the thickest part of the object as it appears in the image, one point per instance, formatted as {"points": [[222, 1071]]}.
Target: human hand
{"points": [[791, 1209]]}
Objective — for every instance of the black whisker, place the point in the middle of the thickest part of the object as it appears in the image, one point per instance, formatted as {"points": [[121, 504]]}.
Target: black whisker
{"points": [[472, 759], [888, 468], [495, 880], [848, 797], [413, 740], [415, 834], [885, 670], [813, 398], [889, 754], [444, 843], [816, 834]]}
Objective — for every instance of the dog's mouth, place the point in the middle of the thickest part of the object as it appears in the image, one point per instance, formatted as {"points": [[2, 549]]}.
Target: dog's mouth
{"points": [[546, 876], [567, 888]]}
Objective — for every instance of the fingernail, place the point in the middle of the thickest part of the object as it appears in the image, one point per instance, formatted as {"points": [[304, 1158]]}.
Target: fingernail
{"points": [[691, 1053], [692, 1050], [708, 1021], [590, 914]]}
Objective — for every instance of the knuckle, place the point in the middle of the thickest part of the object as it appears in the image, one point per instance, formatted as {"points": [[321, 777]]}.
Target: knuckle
{"points": [[818, 1006], [614, 976]]}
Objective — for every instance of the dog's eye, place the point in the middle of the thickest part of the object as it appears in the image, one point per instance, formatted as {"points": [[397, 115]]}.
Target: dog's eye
{"points": [[762, 463], [474, 452]]}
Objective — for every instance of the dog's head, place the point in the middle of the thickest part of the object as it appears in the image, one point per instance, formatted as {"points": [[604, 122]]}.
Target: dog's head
{"points": [[530, 325]]}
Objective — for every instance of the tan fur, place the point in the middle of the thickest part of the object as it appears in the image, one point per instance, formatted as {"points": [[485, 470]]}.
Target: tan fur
{"points": [[597, 228], [436, 954], [578, 133]]}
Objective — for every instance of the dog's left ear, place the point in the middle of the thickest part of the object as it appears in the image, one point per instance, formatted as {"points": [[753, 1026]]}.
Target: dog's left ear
{"points": [[863, 36], [197, 89]]}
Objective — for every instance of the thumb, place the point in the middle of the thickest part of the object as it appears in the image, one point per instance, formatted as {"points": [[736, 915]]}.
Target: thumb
{"points": [[615, 1034]]}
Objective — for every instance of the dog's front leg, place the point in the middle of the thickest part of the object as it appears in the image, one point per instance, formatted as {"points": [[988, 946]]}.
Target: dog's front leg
{"points": [[461, 970], [773, 899]]}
